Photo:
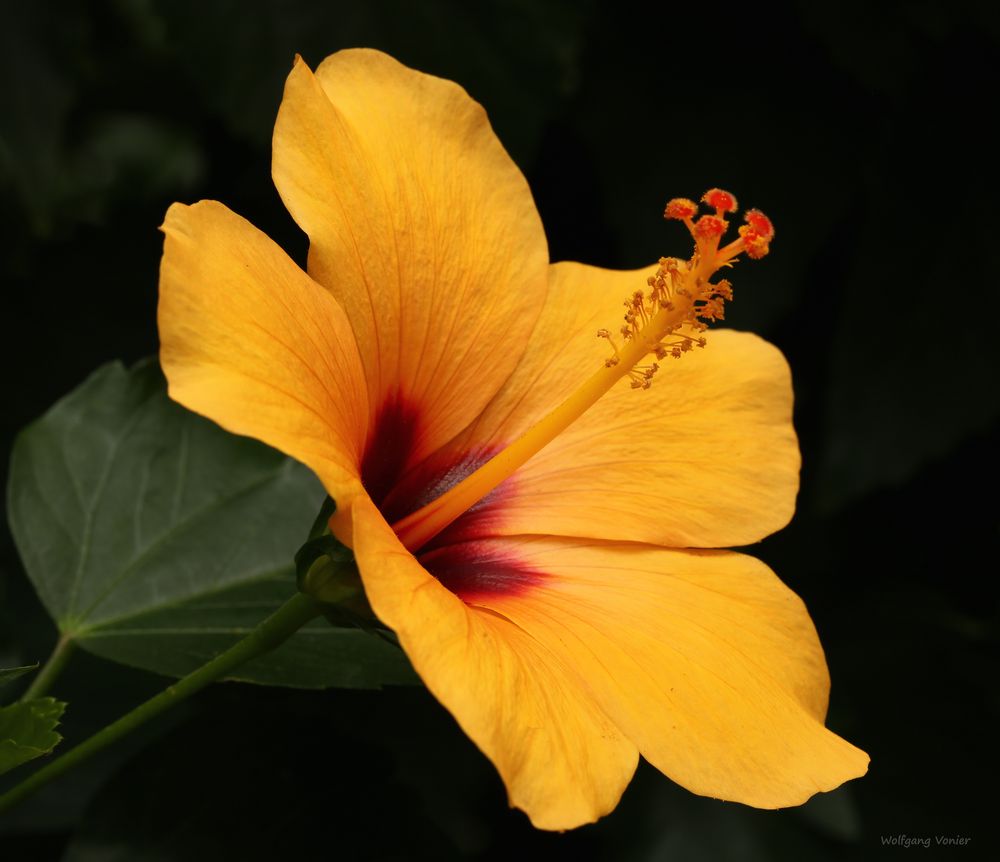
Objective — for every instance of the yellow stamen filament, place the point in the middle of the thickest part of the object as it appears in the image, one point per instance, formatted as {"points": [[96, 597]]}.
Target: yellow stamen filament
{"points": [[418, 528], [680, 295]]}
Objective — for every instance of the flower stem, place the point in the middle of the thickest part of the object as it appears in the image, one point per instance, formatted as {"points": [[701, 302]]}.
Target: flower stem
{"points": [[268, 635], [43, 680]]}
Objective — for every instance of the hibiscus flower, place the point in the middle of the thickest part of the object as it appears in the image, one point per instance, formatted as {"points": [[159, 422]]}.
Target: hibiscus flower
{"points": [[534, 511]]}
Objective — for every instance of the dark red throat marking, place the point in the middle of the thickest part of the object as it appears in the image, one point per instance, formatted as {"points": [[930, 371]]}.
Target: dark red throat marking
{"points": [[390, 447], [475, 571], [458, 556]]}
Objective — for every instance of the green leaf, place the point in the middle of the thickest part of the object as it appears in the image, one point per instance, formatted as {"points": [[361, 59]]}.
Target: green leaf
{"points": [[157, 540], [11, 673], [176, 640], [27, 730]]}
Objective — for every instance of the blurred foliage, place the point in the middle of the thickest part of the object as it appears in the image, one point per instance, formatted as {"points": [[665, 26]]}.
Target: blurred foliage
{"points": [[9, 674], [27, 730], [863, 129]]}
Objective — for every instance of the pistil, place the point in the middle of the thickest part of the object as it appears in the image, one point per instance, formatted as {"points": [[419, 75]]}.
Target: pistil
{"points": [[665, 320]]}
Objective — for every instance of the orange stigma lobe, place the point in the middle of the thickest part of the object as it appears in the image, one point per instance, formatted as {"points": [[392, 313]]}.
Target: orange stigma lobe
{"points": [[680, 208], [759, 224], [722, 202]]}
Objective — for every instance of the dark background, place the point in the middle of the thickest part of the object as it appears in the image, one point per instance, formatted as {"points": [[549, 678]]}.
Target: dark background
{"points": [[861, 128]]}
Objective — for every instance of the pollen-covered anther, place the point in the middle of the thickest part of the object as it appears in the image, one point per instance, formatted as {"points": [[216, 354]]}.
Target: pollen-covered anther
{"points": [[724, 289], [642, 376], [712, 309], [677, 348], [722, 202], [611, 361]]}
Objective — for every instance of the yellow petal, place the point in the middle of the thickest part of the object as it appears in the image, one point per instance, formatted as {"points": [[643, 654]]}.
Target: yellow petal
{"points": [[250, 341], [704, 659], [707, 457], [424, 230], [562, 761]]}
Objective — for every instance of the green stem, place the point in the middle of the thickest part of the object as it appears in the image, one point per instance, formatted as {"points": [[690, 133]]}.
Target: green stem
{"points": [[271, 633], [51, 669]]}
